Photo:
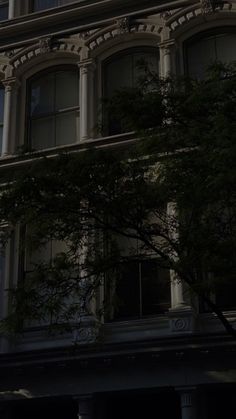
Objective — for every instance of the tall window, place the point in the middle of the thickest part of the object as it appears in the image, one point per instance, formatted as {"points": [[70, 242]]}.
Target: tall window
{"points": [[3, 9], [208, 49], [38, 5], [54, 109], [125, 70], [2, 94], [142, 289], [138, 287]]}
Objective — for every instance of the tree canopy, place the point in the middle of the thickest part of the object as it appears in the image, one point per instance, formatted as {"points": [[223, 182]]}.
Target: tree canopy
{"points": [[171, 194]]}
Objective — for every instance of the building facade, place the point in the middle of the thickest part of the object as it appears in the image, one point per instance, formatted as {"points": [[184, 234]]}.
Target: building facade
{"points": [[58, 58]]}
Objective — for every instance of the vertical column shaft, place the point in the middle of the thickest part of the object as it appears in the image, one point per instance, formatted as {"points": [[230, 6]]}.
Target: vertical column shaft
{"points": [[187, 403], [177, 296], [9, 118], [12, 7], [85, 407], [86, 98]]}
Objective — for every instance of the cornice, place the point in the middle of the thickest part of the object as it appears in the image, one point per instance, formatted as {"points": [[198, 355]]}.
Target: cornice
{"points": [[78, 17]]}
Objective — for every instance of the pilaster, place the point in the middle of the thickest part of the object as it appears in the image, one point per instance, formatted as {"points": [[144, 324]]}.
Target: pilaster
{"points": [[167, 51], [188, 402], [12, 9], [11, 85], [85, 408], [86, 97]]}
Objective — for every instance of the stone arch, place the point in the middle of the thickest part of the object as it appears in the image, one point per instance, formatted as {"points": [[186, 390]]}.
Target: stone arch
{"points": [[122, 29], [46, 49], [192, 16]]}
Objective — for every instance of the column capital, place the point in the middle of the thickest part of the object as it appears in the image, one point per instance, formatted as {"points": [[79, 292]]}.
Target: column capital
{"points": [[86, 65], [167, 46], [10, 83], [186, 394]]}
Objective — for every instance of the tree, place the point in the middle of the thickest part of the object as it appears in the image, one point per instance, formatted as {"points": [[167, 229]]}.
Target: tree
{"points": [[184, 160]]}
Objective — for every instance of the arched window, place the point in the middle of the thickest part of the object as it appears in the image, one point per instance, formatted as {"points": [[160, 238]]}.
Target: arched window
{"points": [[53, 114], [206, 50], [3, 9], [38, 5], [125, 70]]}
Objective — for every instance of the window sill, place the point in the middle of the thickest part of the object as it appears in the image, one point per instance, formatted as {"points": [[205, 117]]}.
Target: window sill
{"points": [[134, 330], [112, 141]]}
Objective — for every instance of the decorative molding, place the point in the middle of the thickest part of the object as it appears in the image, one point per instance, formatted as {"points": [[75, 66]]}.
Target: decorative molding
{"points": [[181, 320], [10, 83], [45, 45], [204, 7], [123, 25], [209, 6], [120, 28]]}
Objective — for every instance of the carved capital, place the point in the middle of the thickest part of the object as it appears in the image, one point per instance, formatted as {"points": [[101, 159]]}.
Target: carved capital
{"points": [[209, 6], [123, 25], [166, 47], [45, 45], [86, 66], [10, 84]]}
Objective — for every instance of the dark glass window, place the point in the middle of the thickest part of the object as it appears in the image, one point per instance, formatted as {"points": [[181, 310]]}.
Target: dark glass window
{"points": [[3, 10], [124, 71], [54, 109], [141, 289], [204, 51], [38, 5]]}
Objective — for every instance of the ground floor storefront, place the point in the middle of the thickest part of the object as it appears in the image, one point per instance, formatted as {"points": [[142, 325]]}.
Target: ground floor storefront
{"points": [[206, 402]]}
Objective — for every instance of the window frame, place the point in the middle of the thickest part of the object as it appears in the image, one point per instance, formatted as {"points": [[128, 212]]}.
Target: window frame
{"points": [[110, 294], [201, 36], [136, 49], [32, 6], [28, 118]]}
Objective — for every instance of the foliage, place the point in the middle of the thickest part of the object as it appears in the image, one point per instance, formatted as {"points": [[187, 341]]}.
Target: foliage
{"points": [[173, 193]]}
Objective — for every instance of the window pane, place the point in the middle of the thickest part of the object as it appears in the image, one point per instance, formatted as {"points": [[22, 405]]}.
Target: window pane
{"points": [[127, 293], [48, 4], [42, 255], [155, 288], [204, 52], [124, 71], [67, 89], [118, 75], [42, 95], [3, 11], [142, 60], [67, 127], [200, 55], [225, 48], [42, 133], [44, 4]]}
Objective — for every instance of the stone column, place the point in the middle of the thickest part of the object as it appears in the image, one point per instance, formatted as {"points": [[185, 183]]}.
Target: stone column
{"points": [[177, 296], [86, 98], [187, 400], [85, 407], [12, 8], [166, 48], [180, 314], [9, 122]]}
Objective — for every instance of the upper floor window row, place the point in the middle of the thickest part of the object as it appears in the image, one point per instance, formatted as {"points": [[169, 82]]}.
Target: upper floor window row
{"points": [[38, 5]]}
